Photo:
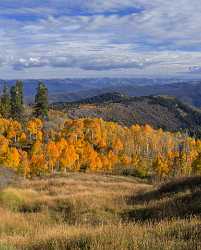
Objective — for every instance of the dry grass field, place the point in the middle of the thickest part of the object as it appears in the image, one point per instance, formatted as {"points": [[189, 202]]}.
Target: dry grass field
{"points": [[92, 211]]}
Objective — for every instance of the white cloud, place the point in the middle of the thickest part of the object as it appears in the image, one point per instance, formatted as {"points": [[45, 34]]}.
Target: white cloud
{"points": [[97, 35]]}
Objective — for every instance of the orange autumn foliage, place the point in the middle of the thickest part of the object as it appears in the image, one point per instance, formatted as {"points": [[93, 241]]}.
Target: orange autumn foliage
{"points": [[35, 148]]}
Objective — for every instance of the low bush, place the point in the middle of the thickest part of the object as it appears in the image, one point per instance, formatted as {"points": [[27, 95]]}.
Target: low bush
{"points": [[19, 200]]}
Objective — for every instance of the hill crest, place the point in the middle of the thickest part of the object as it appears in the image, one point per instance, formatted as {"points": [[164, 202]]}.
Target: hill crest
{"points": [[159, 111]]}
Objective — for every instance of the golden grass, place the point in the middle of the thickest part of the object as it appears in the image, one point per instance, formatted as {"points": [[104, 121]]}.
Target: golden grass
{"points": [[84, 211]]}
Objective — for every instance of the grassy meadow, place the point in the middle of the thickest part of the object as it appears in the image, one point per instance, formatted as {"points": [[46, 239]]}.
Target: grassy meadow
{"points": [[92, 211]]}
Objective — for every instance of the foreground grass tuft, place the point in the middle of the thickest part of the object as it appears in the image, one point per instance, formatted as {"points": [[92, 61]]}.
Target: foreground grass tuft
{"points": [[86, 211], [19, 200]]}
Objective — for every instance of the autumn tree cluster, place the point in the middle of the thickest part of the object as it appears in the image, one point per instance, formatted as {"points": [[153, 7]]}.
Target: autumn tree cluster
{"points": [[34, 149]]}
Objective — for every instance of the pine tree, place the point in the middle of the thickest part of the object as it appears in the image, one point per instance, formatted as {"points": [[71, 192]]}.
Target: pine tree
{"points": [[5, 102], [16, 93], [41, 101], [19, 86]]}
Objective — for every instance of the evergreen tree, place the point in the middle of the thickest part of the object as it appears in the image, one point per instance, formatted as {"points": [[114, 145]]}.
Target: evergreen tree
{"points": [[16, 94], [5, 102], [19, 86], [41, 101]]}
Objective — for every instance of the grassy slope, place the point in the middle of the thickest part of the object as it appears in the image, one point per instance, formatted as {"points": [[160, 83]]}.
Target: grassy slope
{"points": [[88, 211]]}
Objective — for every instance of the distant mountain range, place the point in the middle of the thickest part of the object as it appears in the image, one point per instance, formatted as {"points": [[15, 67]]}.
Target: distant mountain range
{"points": [[163, 112], [67, 90]]}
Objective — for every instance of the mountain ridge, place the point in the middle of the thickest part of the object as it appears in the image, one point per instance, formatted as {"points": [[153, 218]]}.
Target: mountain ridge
{"points": [[164, 112], [76, 89]]}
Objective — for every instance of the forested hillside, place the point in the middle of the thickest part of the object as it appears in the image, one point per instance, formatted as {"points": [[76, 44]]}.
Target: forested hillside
{"points": [[34, 148], [163, 112], [41, 142]]}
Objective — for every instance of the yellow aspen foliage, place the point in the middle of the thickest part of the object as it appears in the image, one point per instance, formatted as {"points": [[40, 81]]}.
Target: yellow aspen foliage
{"points": [[13, 158], [117, 145], [61, 145], [4, 125], [196, 165], [148, 129], [92, 159], [102, 142], [4, 148], [34, 127], [95, 145], [38, 164], [112, 158], [135, 159], [126, 160], [198, 145], [105, 162], [52, 134], [52, 155], [23, 138], [37, 148], [135, 128], [73, 130], [160, 167], [39, 136], [93, 132], [68, 157], [14, 130], [24, 164], [98, 165]]}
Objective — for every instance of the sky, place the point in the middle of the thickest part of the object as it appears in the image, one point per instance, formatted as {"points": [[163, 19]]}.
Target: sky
{"points": [[100, 38]]}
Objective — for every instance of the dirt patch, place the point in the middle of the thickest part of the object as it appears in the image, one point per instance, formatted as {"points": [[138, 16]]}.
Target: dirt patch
{"points": [[8, 177]]}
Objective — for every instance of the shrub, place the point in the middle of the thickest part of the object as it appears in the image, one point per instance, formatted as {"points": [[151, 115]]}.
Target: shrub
{"points": [[6, 247], [19, 200], [130, 171]]}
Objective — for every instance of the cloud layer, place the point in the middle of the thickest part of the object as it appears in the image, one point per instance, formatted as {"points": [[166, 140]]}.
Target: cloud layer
{"points": [[67, 38]]}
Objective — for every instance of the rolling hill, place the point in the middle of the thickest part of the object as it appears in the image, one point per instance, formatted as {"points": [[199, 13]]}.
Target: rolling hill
{"points": [[163, 112], [188, 92]]}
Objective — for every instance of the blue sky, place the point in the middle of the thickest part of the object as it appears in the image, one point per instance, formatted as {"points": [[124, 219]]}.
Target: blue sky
{"points": [[100, 38]]}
